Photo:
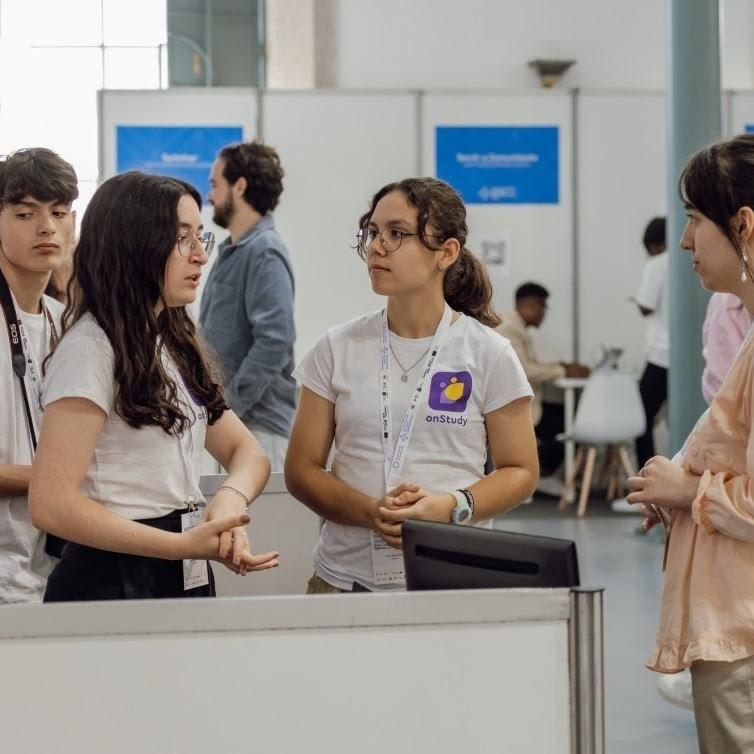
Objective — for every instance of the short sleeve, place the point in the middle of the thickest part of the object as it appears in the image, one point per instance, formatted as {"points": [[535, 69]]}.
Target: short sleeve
{"points": [[507, 381], [649, 294], [81, 367], [315, 371]]}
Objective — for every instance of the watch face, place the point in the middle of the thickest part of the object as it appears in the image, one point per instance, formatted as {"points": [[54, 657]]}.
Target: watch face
{"points": [[461, 513]]}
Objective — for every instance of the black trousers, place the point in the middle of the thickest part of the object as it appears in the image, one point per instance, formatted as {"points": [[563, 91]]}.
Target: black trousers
{"points": [[551, 451], [653, 387], [87, 574]]}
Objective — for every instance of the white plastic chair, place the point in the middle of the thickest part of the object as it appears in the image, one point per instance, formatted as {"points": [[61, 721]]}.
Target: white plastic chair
{"points": [[610, 412]]}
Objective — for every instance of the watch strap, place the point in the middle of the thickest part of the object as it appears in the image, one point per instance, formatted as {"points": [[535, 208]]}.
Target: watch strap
{"points": [[462, 512]]}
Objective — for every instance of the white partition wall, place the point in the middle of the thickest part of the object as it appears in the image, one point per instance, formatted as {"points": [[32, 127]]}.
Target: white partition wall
{"points": [[337, 149], [538, 236], [444, 672], [179, 106], [741, 112], [621, 186]]}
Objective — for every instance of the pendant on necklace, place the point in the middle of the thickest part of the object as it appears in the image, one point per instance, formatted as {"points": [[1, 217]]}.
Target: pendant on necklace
{"points": [[404, 377]]}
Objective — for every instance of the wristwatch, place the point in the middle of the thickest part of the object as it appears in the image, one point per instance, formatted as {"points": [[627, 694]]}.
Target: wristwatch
{"points": [[464, 507]]}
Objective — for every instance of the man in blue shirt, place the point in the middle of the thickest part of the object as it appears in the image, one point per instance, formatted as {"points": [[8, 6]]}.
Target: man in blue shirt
{"points": [[246, 312]]}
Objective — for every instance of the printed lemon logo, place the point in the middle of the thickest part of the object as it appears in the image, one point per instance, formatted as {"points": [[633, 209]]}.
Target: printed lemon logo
{"points": [[454, 391], [450, 391]]}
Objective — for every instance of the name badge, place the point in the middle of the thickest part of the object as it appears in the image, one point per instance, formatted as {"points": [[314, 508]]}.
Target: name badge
{"points": [[195, 572], [387, 562]]}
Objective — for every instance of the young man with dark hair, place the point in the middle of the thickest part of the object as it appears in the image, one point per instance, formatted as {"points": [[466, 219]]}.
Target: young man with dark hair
{"points": [[246, 311], [37, 223], [531, 307]]}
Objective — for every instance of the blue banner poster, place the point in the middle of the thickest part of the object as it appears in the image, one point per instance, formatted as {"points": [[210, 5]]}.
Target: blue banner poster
{"points": [[499, 164], [185, 152]]}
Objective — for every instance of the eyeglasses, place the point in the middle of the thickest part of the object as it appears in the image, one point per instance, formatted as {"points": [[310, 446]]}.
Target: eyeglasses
{"points": [[390, 238], [188, 241]]}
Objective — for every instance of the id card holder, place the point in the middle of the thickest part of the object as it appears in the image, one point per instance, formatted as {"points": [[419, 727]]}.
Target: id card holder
{"points": [[387, 562], [195, 572]]}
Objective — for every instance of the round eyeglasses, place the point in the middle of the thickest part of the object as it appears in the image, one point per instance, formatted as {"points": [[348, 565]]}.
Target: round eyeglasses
{"points": [[188, 241], [390, 239]]}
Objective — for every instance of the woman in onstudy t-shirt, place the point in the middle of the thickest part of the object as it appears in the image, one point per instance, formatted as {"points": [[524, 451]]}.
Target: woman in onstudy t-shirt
{"points": [[412, 397], [130, 400]]}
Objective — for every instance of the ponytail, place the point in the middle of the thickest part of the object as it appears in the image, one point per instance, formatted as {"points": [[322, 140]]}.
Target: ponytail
{"points": [[468, 289]]}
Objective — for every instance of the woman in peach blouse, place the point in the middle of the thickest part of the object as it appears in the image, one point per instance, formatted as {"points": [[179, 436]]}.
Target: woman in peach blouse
{"points": [[707, 490]]}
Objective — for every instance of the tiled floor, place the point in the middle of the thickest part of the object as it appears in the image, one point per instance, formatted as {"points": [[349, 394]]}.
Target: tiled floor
{"points": [[612, 555]]}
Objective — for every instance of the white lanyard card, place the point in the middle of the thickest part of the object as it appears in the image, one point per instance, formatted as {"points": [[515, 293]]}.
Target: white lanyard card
{"points": [[387, 561]]}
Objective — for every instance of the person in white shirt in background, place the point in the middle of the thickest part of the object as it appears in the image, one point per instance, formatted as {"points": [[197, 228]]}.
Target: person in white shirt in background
{"points": [[652, 302], [37, 225]]}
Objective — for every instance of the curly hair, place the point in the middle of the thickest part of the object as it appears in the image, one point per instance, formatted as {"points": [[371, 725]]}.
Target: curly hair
{"points": [[128, 233], [466, 285], [259, 164]]}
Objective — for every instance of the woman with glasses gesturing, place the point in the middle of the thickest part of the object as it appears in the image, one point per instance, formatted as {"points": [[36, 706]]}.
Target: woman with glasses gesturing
{"points": [[130, 400], [412, 397]]}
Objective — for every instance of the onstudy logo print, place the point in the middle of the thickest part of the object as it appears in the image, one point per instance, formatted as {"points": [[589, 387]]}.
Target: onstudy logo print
{"points": [[450, 391]]}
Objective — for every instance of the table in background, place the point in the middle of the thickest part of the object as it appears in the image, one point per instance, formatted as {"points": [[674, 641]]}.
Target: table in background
{"points": [[569, 386]]}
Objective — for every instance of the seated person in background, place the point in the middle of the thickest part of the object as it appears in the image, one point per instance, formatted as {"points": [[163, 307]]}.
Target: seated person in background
{"points": [[548, 418]]}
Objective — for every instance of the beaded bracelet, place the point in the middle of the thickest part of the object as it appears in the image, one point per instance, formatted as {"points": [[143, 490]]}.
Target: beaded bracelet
{"points": [[238, 492]]}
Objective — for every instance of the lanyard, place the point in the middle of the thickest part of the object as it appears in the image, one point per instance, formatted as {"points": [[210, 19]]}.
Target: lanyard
{"points": [[395, 452], [186, 447], [19, 354]]}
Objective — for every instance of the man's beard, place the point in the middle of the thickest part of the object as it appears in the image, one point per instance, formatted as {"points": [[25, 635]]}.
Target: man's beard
{"points": [[223, 212]]}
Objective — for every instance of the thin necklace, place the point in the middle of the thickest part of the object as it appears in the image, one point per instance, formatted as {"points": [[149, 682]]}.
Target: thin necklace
{"points": [[404, 376]]}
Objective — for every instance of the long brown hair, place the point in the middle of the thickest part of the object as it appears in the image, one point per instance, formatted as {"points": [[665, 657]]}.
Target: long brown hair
{"points": [[466, 285], [128, 233]]}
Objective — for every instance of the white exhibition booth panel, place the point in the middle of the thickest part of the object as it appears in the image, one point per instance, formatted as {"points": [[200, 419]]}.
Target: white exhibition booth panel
{"points": [[441, 672], [538, 237], [267, 666], [622, 184], [338, 147], [179, 106]]}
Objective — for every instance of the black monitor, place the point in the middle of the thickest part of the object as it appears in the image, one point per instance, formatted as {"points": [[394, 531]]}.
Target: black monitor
{"points": [[449, 556]]}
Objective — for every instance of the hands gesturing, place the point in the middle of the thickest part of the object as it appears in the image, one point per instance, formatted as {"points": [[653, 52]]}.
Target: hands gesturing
{"points": [[226, 541]]}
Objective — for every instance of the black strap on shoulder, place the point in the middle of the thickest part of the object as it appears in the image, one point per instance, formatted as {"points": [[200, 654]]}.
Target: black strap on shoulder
{"points": [[16, 349], [53, 545], [11, 319]]}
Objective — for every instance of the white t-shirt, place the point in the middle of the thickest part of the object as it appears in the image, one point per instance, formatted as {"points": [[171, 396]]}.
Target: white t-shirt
{"points": [[137, 473], [448, 447], [24, 564], [653, 294]]}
